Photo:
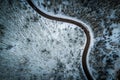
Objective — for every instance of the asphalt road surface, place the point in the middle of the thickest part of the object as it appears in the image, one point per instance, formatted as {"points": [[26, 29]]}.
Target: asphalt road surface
{"points": [[87, 33]]}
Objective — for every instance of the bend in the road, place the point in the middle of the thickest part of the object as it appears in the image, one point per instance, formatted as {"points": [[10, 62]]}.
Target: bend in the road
{"points": [[87, 33]]}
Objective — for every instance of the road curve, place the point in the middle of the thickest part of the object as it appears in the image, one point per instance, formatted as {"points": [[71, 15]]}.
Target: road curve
{"points": [[87, 33]]}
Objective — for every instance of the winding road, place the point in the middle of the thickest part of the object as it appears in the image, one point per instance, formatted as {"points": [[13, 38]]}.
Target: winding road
{"points": [[87, 33]]}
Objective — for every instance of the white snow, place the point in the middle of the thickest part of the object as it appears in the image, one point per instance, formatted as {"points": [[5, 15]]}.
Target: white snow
{"points": [[116, 33]]}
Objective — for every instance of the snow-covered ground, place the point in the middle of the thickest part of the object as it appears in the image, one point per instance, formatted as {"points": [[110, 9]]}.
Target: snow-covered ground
{"points": [[30, 42], [104, 21], [35, 47]]}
